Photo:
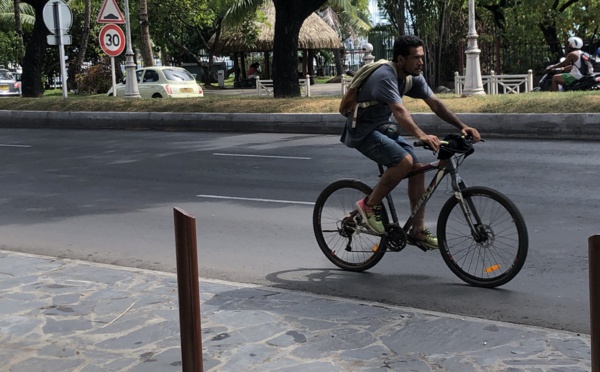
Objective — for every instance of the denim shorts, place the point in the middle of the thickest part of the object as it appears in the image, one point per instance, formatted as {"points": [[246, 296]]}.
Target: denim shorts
{"points": [[386, 150]]}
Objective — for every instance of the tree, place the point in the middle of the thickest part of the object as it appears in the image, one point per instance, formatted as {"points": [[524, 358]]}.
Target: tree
{"points": [[352, 22], [34, 53], [289, 17], [182, 29], [75, 65], [147, 52]]}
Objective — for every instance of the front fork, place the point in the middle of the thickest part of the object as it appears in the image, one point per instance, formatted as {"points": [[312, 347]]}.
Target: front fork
{"points": [[468, 208]]}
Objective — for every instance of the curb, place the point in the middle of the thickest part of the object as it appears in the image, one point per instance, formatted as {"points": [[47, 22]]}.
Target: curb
{"points": [[541, 126]]}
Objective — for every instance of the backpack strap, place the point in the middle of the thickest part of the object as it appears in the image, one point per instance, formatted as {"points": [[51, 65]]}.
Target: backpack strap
{"points": [[408, 82]]}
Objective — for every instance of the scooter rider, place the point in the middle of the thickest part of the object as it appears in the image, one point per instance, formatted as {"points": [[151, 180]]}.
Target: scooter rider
{"points": [[570, 65]]}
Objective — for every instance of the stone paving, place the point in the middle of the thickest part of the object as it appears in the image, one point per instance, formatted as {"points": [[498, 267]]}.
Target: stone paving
{"points": [[66, 315]]}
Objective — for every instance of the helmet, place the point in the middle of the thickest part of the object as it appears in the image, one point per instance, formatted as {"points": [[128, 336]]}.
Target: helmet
{"points": [[575, 42]]}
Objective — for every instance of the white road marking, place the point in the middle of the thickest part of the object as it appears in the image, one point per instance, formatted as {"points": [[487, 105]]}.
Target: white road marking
{"points": [[254, 199], [262, 156], [4, 145]]}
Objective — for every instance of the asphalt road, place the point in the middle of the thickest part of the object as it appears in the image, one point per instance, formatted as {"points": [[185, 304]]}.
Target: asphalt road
{"points": [[108, 196]]}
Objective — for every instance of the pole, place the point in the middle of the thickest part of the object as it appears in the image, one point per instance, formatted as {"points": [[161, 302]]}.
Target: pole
{"points": [[114, 77], [473, 82], [131, 83], [594, 263], [189, 292], [61, 48]]}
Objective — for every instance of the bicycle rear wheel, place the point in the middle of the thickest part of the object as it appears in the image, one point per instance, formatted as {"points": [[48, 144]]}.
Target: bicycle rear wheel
{"points": [[339, 228], [493, 255]]}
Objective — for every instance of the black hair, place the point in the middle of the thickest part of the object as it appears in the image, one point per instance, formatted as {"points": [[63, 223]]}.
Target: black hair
{"points": [[404, 43]]}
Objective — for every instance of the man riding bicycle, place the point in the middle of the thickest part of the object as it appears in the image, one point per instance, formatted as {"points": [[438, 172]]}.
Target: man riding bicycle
{"points": [[377, 138]]}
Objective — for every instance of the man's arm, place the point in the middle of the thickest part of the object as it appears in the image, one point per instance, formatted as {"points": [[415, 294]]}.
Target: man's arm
{"points": [[449, 117], [567, 62], [407, 123]]}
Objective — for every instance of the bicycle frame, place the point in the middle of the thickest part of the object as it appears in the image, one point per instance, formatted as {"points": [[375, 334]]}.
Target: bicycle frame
{"points": [[443, 167]]}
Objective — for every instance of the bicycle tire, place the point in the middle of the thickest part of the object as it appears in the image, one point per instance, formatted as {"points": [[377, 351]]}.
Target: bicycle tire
{"points": [[499, 256], [353, 249]]}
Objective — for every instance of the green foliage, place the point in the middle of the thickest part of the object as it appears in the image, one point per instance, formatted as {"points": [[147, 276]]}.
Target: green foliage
{"points": [[97, 79], [7, 16], [11, 49]]}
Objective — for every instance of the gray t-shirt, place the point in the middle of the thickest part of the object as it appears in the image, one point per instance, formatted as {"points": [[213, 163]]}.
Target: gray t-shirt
{"points": [[384, 87]]}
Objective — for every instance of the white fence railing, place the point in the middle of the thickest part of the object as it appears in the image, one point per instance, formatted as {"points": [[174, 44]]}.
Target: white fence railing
{"points": [[345, 82], [493, 84], [265, 87], [499, 84]]}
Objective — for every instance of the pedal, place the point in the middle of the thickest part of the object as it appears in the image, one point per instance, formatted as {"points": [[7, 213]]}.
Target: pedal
{"points": [[420, 245]]}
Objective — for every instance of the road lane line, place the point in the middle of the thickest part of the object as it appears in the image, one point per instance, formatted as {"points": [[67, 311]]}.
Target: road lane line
{"points": [[4, 145], [255, 199], [262, 156]]}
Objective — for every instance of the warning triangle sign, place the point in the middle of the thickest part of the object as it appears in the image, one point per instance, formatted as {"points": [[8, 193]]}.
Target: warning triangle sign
{"points": [[110, 13]]}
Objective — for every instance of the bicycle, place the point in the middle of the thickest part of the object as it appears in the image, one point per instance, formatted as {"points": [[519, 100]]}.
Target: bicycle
{"points": [[482, 236]]}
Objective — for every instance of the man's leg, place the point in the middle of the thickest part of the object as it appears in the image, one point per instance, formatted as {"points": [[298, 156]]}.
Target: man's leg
{"points": [[416, 189], [389, 180], [383, 150], [556, 80]]}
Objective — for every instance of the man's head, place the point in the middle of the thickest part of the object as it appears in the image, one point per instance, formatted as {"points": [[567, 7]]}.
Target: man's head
{"points": [[409, 54], [574, 43]]}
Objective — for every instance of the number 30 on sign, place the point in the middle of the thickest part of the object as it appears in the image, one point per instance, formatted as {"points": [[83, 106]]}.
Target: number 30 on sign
{"points": [[112, 40]]}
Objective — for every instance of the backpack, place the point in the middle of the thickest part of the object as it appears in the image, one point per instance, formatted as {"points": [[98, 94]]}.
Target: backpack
{"points": [[586, 65], [349, 103]]}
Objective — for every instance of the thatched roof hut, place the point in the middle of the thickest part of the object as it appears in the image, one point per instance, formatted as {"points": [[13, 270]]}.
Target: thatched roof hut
{"points": [[314, 34]]}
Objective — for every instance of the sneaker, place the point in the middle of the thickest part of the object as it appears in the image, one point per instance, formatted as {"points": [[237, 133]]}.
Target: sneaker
{"points": [[425, 239], [371, 215]]}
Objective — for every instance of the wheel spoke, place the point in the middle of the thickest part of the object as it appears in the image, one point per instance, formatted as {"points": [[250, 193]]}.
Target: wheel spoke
{"points": [[499, 251], [337, 227]]}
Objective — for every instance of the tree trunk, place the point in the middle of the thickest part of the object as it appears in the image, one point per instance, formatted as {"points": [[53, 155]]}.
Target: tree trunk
{"points": [[337, 58], [75, 66], [19, 27], [289, 17], [34, 54], [147, 53], [401, 17]]}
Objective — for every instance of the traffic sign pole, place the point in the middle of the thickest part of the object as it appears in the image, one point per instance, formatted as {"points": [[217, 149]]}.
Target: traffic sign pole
{"points": [[61, 48], [58, 18], [114, 77], [112, 42]]}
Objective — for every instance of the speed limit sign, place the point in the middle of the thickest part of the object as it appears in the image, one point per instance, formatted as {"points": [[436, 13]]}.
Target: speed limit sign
{"points": [[112, 40]]}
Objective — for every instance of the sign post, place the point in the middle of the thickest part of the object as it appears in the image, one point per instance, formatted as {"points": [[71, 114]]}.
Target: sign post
{"points": [[112, 41], [58, 18]]}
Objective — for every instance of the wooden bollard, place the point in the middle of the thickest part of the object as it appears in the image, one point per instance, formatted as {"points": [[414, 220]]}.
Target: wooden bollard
{"points": [[189, 292]]}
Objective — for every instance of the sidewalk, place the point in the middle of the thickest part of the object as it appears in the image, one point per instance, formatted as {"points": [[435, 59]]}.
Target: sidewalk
{"points": [[66, 315]]}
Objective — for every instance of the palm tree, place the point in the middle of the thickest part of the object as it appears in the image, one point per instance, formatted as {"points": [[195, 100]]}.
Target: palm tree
{"points": [[14, 13], [349, 21]]}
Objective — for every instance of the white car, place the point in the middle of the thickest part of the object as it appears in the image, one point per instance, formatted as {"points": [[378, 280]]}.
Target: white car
{"points": [[163, 82], [9, 86]]}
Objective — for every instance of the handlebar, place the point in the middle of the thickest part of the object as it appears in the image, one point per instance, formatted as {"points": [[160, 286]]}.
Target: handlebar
{"points": [[442, 143], [426, 146], [451, 145]]}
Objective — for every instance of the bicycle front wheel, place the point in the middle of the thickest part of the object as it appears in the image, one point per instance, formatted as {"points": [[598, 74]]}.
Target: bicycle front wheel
{"points": [[340, 231], [495, 252]]}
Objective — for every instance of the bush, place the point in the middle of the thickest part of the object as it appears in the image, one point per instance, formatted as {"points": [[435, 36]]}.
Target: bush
{"points": [[97, 79]]}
